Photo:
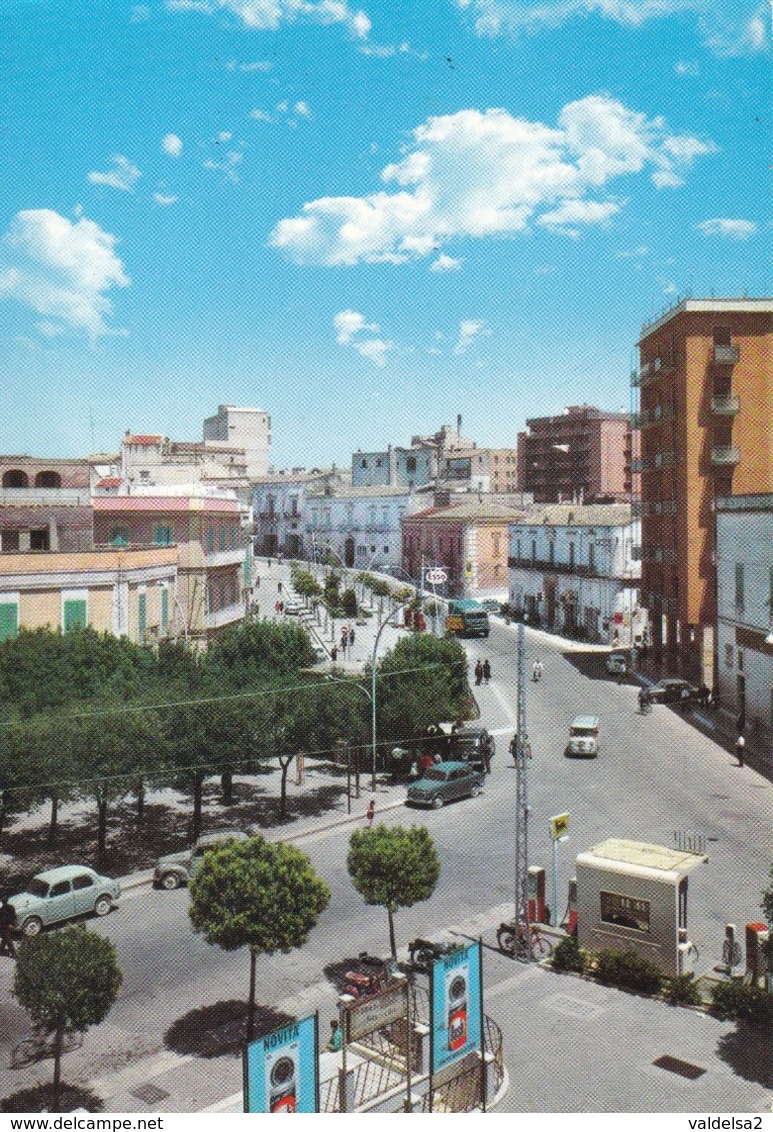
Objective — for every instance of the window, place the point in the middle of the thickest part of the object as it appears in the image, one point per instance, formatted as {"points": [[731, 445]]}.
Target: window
{"points": [[48, 479], [551, 552], [81, 882], [142, 615], [60, 889], [144, 475], [625, 911], [722, 336], [39, 539], [9, 620], [729, 655], [221, 536], [233, 591], [10, 540], [164, 608], [210, 540], [232, 532], [571, 555], [591, 556], [363, 463], [74, 615], [739, 586], [162, 536], [410, 464], [534, 550]]}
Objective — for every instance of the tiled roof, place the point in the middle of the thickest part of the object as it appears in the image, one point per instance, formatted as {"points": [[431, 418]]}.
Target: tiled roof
{"points": [[143, 439], [470, 512], [110, 481], [162, 504]]}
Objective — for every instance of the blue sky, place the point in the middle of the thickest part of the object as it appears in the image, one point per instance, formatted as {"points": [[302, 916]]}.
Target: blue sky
{"points": [[364, 220]]}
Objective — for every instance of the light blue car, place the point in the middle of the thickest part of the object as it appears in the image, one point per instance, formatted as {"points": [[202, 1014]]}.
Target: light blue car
{"points": [[62, 894]]}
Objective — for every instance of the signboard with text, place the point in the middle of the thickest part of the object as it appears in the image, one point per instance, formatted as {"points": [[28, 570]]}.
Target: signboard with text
{"points": [[456, 1006], [559, 826], [280, 1070]]}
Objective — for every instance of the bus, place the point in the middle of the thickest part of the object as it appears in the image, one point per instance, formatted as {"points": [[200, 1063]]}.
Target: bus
{"points": [[467, 618]]}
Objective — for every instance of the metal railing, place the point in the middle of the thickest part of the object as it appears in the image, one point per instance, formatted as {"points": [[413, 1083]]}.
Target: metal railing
{"points": [[726, 404]]}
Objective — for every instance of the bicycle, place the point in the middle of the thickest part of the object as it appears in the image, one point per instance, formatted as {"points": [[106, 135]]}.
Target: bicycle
{"points": [[511, 940]]}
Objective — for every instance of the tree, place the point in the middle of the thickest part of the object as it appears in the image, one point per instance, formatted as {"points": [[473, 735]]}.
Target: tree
{"points": [[767, 909], [393, 867], [421, 681], [349, 603], [67, 980], [259, 895]]}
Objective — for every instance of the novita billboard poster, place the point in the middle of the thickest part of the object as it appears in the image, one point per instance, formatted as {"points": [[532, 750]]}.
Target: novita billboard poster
{"points": [[280, 1069], [457, 1006]]}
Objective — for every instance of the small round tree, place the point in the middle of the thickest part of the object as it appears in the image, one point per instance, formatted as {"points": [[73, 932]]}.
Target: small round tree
{"points": [[393, 867], [259, 895], [67, 980]]}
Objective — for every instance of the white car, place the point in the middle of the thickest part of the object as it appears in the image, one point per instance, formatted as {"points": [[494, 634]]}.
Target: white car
{"points": [[62, 894]]}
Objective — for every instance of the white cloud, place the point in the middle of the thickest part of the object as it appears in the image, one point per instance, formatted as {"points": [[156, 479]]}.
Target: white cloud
{"points": [[302, 109], [352, 329], [227, 164], [122, 176], [743, 31], [223, 137], [60, 269], [261, 116], [734, 229], [445, 263], [269, 15], [572, 212], [262, 65], [164, 199], [139, 13], [478, 174], [469, 329], [172, 145], [689, 69]]}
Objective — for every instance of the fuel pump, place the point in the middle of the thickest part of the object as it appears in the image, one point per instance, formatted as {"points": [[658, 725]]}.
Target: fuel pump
{"points": [[757, 936], [537, 895]]}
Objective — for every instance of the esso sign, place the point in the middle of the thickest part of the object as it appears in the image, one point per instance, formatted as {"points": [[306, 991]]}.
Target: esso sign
{"points": [[436, 576]]}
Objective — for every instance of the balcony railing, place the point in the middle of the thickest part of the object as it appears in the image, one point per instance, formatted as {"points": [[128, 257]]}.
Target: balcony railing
{"points": [[724, 455], [234, 556], [726, 404], [726, 355]]}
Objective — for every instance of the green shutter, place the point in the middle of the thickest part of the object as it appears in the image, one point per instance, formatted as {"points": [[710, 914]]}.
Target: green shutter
{"points": [[162, 536], [211, 540], [221, 539], [142, 616], [9, 621], [119, 536], [247, 567], [164, 609], [74, 615]]}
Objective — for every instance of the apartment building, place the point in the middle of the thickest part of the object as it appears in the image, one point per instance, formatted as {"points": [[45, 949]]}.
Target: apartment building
{"points": [[248, 429], [213, 554], [584, 455], [705, 384], [125, 591], [493, 471], [745, 615], [358, 526], [576, 569], [45, 504]]}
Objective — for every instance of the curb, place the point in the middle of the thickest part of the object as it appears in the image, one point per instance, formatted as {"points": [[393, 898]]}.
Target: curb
{"points": [[137, 880]]}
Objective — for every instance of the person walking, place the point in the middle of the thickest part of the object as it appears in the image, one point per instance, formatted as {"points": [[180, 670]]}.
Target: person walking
{"points": [[7, 924], [370, 813], [336, 1040], [351, 637], [486, 671], [478, 673], [740, 749]]}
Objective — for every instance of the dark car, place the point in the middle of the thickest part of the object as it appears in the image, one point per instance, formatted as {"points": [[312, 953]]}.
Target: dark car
{"points": [[445, 782], [673, 690], [472, 744]]}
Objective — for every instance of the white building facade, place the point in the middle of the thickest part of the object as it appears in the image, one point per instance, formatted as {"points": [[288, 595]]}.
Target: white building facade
{"points": [[359, 526], [745, 614], [576, 569], [239, 427]]}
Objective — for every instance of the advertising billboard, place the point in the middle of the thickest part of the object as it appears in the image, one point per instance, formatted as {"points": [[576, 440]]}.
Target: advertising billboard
{"points": [[280, 1070], [456, 1007]]}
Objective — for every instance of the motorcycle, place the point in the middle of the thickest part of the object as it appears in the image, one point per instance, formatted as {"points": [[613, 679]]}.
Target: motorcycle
{"points": [[423, 953], [536, 673], [364, 983]]}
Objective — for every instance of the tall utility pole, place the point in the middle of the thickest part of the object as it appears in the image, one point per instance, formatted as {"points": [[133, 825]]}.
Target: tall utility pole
{"points": [[521, 807]]}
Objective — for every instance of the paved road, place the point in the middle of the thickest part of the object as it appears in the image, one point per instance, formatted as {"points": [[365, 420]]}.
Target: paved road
{"points": [[655, 774]]}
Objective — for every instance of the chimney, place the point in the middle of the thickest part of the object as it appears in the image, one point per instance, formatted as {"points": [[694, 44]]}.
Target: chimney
{"points": [[458, 424]]}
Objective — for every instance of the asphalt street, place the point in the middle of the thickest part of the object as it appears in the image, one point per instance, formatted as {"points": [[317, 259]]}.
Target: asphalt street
{"points": [[655, 775]]}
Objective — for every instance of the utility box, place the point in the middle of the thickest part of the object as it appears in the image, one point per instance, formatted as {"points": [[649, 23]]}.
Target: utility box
{"points": [[632, 896]]}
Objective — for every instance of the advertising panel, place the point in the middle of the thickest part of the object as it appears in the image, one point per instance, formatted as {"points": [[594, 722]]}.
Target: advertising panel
{"points": [[456, 1006], [280, 1070]]}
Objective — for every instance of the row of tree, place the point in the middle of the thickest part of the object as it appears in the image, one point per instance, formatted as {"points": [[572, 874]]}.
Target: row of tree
{"points": [[115, 719]]}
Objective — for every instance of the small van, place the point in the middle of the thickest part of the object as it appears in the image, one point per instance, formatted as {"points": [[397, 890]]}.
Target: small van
{"points": [[584, 736]]}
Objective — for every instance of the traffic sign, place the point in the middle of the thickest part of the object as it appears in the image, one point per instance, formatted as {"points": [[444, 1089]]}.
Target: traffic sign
{"points": [[559, 826], [435, 576]]}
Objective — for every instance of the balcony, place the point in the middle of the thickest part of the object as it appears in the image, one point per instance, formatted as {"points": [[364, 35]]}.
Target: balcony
{"points": [[725, 456], [635, 379], [726, 404], [726, 355], [232, 557], [225, 616]]}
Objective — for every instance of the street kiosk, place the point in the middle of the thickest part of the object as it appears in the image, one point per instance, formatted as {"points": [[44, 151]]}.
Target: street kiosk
{"points": [[632, 896]]}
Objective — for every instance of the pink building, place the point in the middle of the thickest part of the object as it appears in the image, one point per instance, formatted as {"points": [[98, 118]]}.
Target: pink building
{"points": [[469, 540], [213, 554]]}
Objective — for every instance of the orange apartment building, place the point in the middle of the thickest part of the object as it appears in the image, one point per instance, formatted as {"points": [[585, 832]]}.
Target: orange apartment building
{"points": [[705, 382]]}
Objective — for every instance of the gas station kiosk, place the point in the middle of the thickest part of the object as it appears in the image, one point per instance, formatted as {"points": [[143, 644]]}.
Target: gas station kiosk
{"points": [[632, 896]]}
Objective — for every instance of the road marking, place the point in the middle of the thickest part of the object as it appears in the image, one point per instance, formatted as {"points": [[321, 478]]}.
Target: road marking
{"points": [[146, 1068]]}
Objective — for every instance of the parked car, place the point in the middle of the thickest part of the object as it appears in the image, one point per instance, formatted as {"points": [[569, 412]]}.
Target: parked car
{"points": [[62, 894], [673, 690], [445, 782], [470, 744], [584, 736], [176, 869], [491, 606]]}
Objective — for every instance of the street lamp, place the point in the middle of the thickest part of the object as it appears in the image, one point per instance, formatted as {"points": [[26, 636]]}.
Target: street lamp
{"points": [[381, 628]]}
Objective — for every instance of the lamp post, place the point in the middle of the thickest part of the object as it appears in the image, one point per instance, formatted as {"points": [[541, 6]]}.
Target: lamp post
{"points": [[381, 628]]}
